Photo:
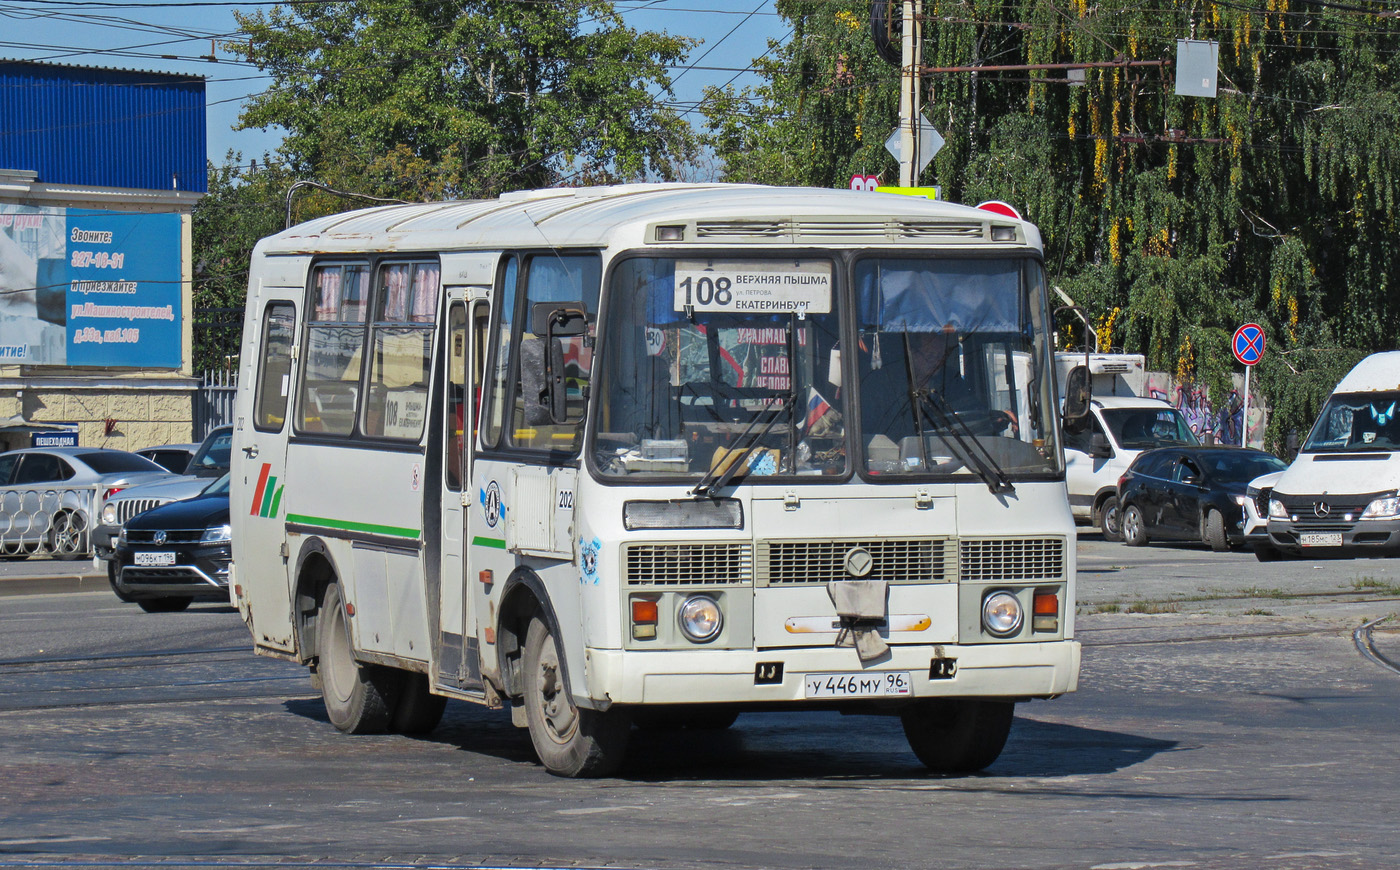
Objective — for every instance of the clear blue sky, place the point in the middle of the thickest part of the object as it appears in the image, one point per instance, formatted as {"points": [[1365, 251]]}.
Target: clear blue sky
{"points": [[169, 37]]}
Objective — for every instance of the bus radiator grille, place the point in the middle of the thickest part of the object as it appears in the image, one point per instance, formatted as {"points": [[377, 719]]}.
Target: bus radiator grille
{"points": [[894, 560], [996, 560], [689, 564]]}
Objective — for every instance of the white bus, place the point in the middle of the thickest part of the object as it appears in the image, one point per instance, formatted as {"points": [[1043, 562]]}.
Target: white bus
{"points": [[656, 455]]}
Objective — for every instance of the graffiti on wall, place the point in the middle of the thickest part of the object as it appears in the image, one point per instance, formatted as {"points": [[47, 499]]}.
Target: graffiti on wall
{"points": [[1223, 420]]}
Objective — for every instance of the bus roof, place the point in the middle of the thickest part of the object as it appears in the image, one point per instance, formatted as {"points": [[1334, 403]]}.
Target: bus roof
{"points": [[714, 214]]}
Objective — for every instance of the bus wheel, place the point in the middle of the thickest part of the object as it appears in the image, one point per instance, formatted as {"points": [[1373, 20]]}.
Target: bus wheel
{"points": [[569, 741], [164, 604], [418, 710], [958, 736], [356, 695]]}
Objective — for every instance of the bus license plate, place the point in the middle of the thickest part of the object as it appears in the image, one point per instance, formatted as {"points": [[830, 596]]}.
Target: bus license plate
{"points": [[876, 685], [158, 558], [1320, 539]]}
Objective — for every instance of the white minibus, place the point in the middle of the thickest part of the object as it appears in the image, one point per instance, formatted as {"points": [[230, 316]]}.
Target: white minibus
{"points": [[654, 456]]}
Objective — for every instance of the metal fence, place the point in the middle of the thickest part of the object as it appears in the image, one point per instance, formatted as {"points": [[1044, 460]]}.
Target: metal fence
{"points": [[213, 402], [47, 521]]}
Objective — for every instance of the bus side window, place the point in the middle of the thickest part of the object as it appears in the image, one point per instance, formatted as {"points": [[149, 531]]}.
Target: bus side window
{"points": [[334, 349], [401, 341], [274, 368]]}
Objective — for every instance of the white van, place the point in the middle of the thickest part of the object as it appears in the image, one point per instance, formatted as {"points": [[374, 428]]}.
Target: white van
{"points": [[1340, 494], [1121, 425]]}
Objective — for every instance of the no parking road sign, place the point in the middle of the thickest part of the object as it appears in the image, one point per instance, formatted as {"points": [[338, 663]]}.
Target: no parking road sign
{"points": [[1248, 344]]}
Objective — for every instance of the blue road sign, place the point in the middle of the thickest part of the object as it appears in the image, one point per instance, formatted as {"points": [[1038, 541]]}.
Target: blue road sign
{"points": [[1248, 344]]}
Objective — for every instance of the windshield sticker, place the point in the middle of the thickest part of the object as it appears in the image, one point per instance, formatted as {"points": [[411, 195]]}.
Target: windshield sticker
{"points": [[757, 287]]}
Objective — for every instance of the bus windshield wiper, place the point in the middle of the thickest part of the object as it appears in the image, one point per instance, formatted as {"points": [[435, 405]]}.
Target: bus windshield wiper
{"points": [[745, 442], [973, 452]]}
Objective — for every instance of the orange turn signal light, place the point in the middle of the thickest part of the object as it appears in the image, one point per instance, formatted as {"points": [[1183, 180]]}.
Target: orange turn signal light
{"points": [[644, 611], [1046, 604]]}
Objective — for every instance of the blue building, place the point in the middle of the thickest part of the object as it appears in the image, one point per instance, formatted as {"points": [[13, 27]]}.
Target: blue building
{"points": [[100, 170]]}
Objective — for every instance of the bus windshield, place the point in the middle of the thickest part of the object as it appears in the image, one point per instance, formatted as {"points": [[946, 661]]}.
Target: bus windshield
{"points": [[951, 361], [1356, 421], [725, 367]]}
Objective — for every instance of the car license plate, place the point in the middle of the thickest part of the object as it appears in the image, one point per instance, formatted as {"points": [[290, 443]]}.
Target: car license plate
{"points": [[1320, 539], [870, 685], [157, 558]]}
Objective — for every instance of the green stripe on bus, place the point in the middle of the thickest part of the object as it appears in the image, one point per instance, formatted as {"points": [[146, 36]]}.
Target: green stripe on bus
{"points": [[276, 502], [265, 510], [494, 543], [351, 526]]}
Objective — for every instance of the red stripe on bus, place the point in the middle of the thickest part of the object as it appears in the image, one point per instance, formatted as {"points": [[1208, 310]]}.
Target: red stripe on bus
{"points": [[258, 493]]}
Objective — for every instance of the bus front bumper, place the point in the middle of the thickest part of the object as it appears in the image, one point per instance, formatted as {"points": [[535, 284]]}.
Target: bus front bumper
{"points": [[1007, 670]]}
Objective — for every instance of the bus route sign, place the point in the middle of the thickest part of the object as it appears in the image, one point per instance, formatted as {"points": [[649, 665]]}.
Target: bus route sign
{"points": [[1248, 344]]}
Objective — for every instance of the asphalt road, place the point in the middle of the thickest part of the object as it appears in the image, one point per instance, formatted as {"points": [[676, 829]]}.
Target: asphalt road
{"points": [[1225, 718]]}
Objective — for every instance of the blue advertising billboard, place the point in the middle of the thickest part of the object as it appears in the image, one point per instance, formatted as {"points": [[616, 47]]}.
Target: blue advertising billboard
{"points": [[87, 287]]}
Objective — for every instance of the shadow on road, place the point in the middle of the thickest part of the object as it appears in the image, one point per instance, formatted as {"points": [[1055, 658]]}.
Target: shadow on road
{"points": [[778, 746]]}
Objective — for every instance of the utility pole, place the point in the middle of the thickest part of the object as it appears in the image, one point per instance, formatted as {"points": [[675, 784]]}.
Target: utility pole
{"points": [[910, 99]]}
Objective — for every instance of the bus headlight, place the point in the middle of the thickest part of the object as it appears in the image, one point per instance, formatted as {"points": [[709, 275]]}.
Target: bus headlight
{"points": [[1385, 508], [1001, 614], [700, 618], [1276, 510]]}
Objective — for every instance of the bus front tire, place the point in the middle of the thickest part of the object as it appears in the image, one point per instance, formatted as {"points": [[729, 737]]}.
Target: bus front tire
{"points": [[357, 695], [958, 736], [569, 740]]}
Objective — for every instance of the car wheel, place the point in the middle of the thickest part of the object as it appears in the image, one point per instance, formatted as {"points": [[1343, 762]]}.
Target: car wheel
{"points": [[1110, 519], [1215, 532], [357, 695], [958, 736], [126, 597], [67, 539], [1134, 526], [165, 604], [569, 740]]}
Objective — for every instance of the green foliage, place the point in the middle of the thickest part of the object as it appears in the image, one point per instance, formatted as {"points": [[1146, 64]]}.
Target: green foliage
{"points": [[1171, 219], [427, 99]]}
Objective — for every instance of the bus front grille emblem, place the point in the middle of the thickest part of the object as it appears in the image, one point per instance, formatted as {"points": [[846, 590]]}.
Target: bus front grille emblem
{"points": [[859, 562]]}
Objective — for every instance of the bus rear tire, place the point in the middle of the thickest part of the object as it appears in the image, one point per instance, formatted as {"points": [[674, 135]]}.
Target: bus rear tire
{"points": [[569, 740], [418, 710], [958, 736], [356, 695]]}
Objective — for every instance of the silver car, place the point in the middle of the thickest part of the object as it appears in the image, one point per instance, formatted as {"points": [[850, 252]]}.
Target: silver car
{"points": [[48, 496], [210, 461]]}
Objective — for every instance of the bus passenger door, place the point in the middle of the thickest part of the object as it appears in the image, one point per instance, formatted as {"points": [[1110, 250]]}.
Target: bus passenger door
{"points": [[459, 663], [256, 504]]}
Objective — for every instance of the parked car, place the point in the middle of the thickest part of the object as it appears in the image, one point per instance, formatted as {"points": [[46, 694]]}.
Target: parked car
{"points": [[170, 555], [174, 458], [1255, 526], [210, 460], [48, 495], [1190, 493]]}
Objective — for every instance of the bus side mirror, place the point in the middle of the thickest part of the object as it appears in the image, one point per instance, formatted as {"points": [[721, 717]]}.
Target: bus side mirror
{"points": [[556, 321], [1078, 393]]}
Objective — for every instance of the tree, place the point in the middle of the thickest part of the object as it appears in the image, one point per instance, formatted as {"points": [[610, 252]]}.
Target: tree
{"points": [[430, 99], [1171, 219]]}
